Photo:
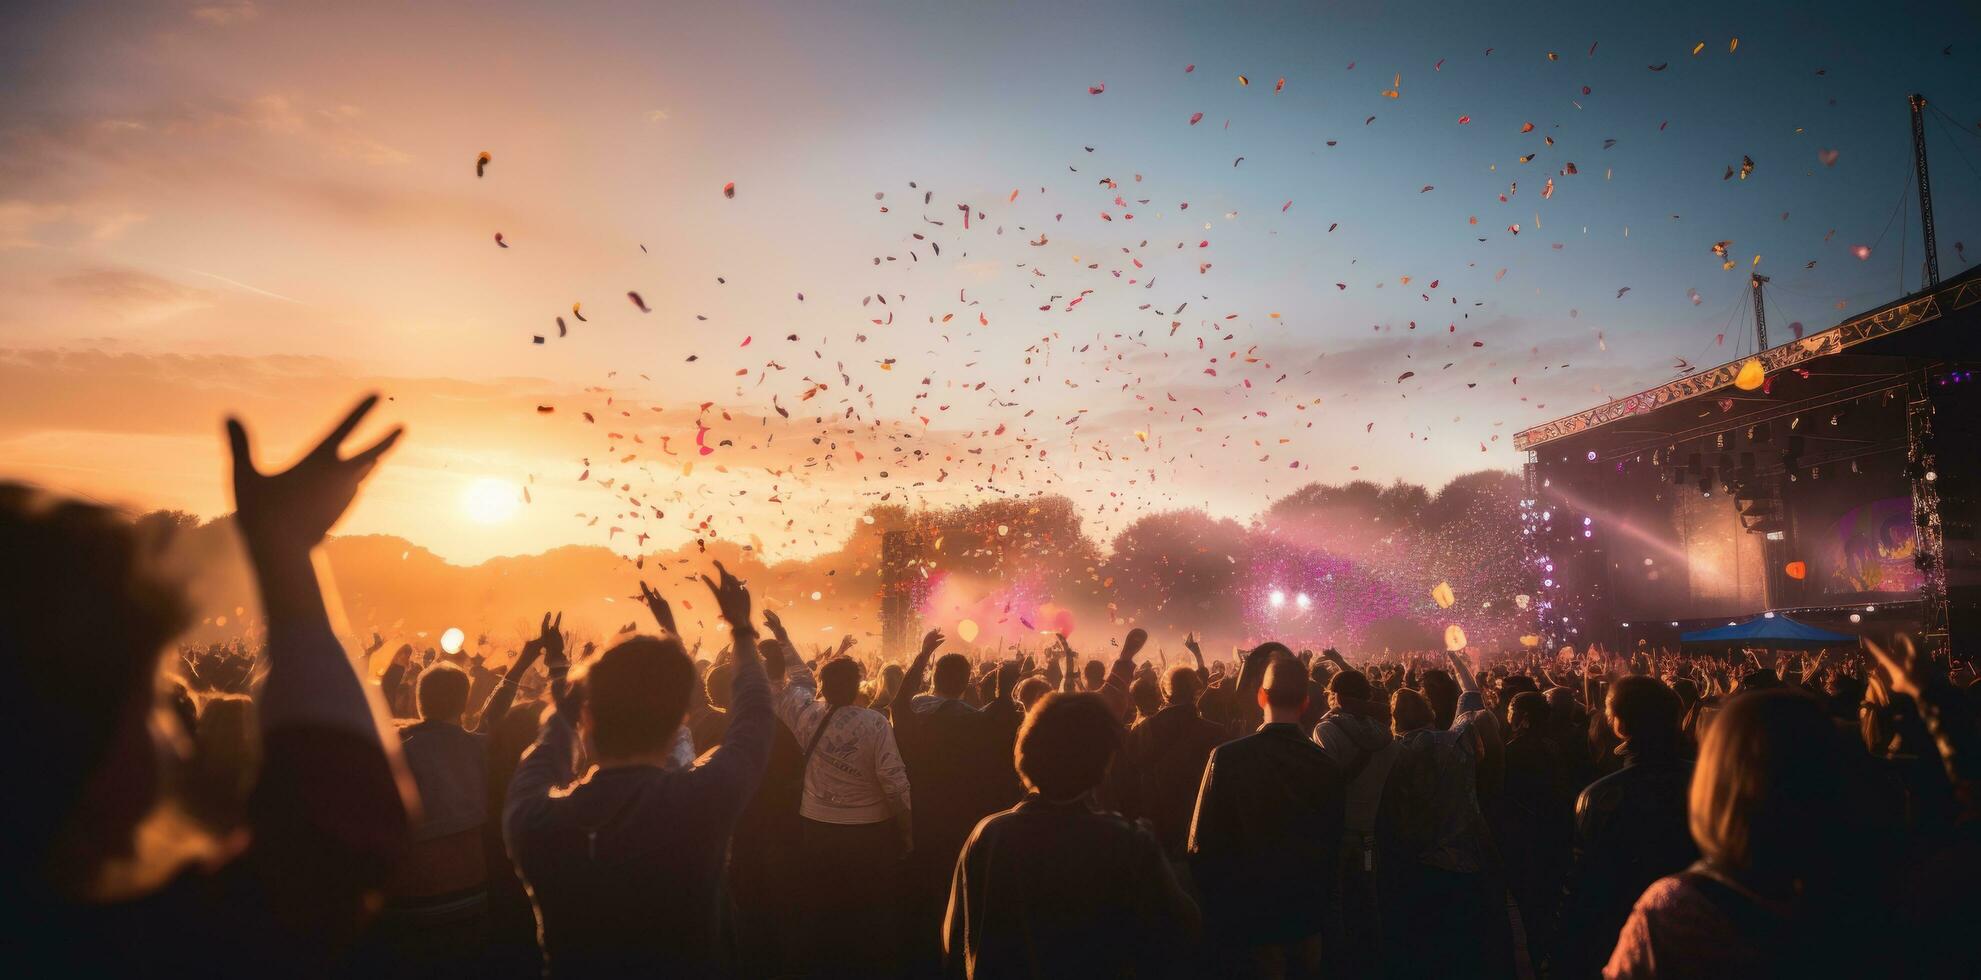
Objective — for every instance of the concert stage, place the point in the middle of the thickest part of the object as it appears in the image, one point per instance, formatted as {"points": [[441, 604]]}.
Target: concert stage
{"points": [[1842, 490]]}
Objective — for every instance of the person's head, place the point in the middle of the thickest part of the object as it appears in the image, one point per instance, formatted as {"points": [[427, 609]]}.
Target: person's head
{"points": [[1561, 706], [1065, 744], [1283, 694], [1441, 690], [82, 623], [1515, 685], [1146, 693], [1527, 712], [1095, 674], [772, 653], [1181, 685], [1350, 685], [443, 693], [1687, 691], [1408, 711], [716, 685], [952, 675], [636, 694], [1030, 690], [1644, 712], [1770, 791], [839, 680]]}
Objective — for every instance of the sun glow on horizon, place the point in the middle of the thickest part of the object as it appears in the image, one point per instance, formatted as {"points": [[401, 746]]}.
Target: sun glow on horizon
{"points": [[489, 500]]}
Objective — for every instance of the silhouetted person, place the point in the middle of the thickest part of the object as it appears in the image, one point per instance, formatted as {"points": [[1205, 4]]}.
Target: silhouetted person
{"points": [[102, 874], [1055, 888], [1355, 733], [959, 763], [1772, 894], [1265, 845], [1533, 820], [1630, 826], [625, 866], [1433, 849], [1161, 767]]}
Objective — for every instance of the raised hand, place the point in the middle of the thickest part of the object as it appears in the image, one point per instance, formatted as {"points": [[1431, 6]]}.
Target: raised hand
{"points": [[776, 624], [294, 509], [550, 642], [732, 598], [931, 641], [1132, 644], [1190, 644], [656, 604], [1909, 669]]}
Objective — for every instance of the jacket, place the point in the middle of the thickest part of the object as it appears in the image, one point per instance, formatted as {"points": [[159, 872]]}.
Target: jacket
{"points": [[1631, 828], [1265, 846], [1059, 889]]}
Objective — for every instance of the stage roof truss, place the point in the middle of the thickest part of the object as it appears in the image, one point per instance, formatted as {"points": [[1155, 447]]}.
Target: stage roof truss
{"points": [[1903, 315]]}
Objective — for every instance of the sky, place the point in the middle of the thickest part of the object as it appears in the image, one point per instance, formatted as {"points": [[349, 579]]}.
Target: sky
{"points": [[271, 208]]}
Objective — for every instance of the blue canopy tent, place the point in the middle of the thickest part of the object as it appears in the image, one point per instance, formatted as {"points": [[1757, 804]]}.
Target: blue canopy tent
{"points": [[1774, 632]]}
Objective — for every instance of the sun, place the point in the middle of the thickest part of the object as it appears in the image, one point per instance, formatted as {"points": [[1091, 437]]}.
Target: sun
{"points": [[491, 501]]}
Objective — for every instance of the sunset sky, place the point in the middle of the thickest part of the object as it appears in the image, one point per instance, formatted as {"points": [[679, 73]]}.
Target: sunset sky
{"points": [[271, 208]]}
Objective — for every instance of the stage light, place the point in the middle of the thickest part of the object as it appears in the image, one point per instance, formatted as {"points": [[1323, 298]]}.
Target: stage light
{"points": [[1588, 533], [1931, 476], [1870, 608], [1626, 626], [1777, 535], [1592, 455], [1855, 618], [1767, 615], [1588, 521], [1277, 598], [1674, 623], [1302, 601]]}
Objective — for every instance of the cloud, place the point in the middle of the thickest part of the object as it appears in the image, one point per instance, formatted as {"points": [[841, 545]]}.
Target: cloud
{"points": [[226, 14], [133, 295]]}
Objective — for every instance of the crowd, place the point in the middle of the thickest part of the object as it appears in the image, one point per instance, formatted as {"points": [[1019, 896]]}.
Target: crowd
{"points": [[631, 809]]}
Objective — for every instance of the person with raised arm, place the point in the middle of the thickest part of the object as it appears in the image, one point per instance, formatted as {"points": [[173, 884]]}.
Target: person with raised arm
{"points": [[106, 875], [856, 818], [959, 762], [625, 865]]}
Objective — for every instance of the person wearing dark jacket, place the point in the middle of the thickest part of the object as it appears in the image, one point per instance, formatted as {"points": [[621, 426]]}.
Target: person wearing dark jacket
{"points": [[625, 866], [1055, 888], [1355, 733], [1266, 840], [1533, 820], [1630, 826], [1162, 763], [958, 759]]}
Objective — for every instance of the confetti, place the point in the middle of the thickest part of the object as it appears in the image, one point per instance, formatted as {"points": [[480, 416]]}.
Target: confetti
{"points": [[1097, 88], [481, 163], [729, 190], [499, 241], [638, 303]]}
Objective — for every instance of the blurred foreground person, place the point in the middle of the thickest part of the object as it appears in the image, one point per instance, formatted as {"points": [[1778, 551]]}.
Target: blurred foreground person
{"points": [[1771, 812], [1054, 887], [106, 873], [625, 866]]}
